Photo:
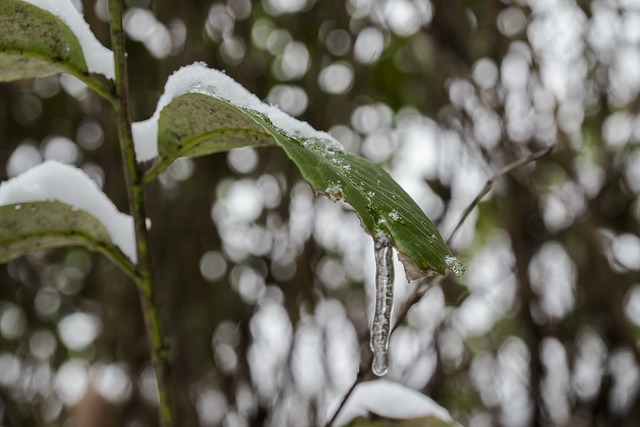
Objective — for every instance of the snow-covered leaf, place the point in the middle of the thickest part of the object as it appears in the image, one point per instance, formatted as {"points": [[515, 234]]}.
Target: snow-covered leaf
{"points": [[204, 111], [196, 125], [32, 226], [89, 212], [41, 37], [384, 403]]}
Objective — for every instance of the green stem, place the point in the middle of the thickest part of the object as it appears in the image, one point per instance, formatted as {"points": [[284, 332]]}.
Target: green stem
{"points": [[135, 192], [102, 89]]}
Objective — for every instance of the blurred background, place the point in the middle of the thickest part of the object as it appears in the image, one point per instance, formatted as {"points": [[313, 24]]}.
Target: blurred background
{"points": [[266, 291]]}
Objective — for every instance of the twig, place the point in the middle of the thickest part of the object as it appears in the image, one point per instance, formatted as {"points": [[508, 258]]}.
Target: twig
{"points": [[135, 193], [492, 181], [430, 282]]}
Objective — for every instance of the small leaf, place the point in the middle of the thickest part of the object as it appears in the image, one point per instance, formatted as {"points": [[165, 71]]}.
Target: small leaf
{"points": [[376, 421], [384, 403], [204, 111], [35, 42], [32, 226]]}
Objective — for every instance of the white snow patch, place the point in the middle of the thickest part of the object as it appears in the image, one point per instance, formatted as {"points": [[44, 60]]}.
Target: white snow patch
{"points": [[54, 181], [198, 78], [389, 399], [99, 59]]}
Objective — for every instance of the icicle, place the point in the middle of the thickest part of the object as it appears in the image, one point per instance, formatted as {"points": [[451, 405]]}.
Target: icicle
{"points": [[381, 326]]}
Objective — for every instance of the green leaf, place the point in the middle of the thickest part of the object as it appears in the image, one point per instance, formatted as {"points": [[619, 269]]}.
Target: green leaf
{"points": [[382, 205], [34, 42], [195, 124], [203, 111], [32, 226]]}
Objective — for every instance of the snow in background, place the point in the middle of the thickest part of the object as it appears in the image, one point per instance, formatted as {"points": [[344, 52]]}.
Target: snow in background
{"points": [[99, 59], [54, 181], [389, 399], [198, 78]]}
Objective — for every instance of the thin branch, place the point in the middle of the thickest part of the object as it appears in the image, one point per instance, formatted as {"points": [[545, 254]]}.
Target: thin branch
{"points": [[364, 372], [492, 181], [135, 193]]}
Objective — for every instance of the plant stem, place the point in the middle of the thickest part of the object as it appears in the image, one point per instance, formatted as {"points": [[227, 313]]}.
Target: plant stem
{"points": [[492, 181], [135, 193]]}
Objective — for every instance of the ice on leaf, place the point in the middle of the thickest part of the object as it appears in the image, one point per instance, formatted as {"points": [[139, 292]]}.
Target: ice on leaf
{"points": [[455, 265], [54, 181]]}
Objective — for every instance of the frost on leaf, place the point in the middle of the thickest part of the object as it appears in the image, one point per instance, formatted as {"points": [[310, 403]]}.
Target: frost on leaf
{"points": [[335, 192], [454, 265]]}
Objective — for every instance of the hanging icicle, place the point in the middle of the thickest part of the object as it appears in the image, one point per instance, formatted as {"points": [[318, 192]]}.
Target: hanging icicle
{"points": [[381, 327]]}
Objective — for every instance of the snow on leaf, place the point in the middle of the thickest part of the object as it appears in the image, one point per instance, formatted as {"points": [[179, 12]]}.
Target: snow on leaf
{"points": [[198, 78], [203, 111], [52, 181], [40, 37]]}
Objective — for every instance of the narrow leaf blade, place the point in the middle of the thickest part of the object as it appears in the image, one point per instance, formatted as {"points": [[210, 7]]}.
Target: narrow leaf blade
{"points": [[382, 205]]}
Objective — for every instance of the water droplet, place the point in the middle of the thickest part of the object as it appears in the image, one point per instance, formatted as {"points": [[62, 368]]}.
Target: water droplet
{"points": [[454, 265], [17, 207], [381, 326], [394, 215]]}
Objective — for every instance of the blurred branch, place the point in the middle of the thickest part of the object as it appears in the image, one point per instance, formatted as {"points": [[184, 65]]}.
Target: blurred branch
{"points": [[492, 181]]}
